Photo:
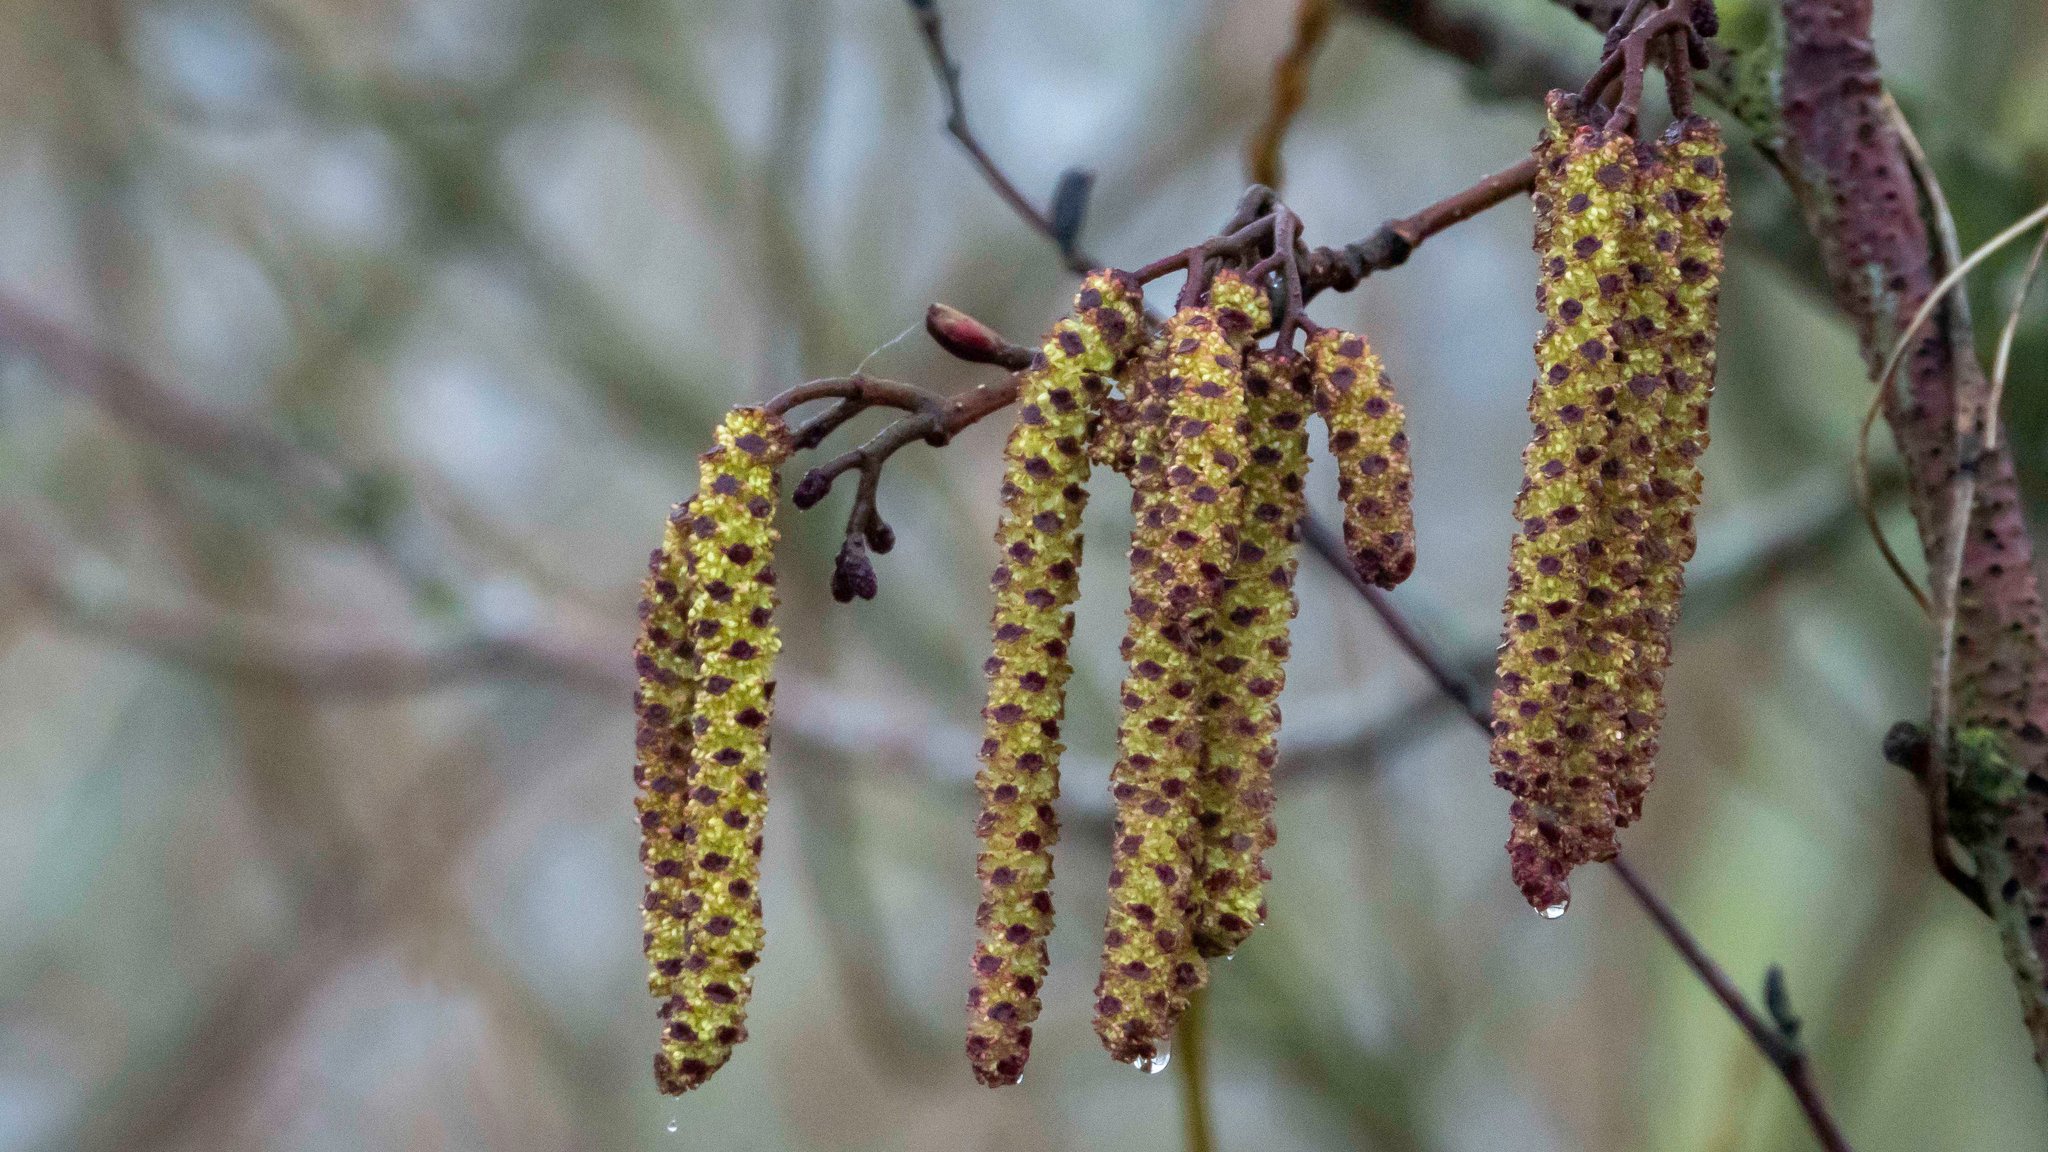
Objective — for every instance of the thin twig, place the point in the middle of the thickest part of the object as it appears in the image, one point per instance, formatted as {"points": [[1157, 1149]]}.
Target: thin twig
{"points": [[1782, 1049], [1326, 544], [1890, 370], [2001, 364], [932, 419], [1290, 90], [1341, 269], [1789, 1060], [932, 28]]}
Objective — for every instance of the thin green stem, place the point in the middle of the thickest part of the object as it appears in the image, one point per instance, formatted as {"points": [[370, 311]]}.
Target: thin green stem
{"points": [[1192, 1058]]}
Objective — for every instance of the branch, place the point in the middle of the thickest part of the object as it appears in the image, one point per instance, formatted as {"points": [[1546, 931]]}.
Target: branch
{"points": [[340, 661], [1341, 269], [1783, 1053], [1062, 225], [931, 418], [1290, 91], [1389, 248], [1777, 1039]]}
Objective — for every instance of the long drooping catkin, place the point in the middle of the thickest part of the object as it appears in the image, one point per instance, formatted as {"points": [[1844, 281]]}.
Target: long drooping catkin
{"points": [[1245, 660], [1554, 700], [1369, 439], [1187, 510], [1036, 582], [730, 543], [665, 658], [1684, 194]]}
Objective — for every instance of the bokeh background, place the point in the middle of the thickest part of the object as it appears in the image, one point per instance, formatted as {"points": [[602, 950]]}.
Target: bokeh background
{"points": [[352, 352]]}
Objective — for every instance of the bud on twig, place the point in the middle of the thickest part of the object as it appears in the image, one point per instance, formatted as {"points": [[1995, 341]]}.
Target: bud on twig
{"points": [[971, 340], [853, 575]]}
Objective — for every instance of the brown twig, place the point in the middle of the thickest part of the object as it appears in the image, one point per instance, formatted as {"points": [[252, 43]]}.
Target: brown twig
{"points": [[1062, 233], [932, 419], [1776, 1038], [1191, 1041], [1342, 269], [1290, 90], [1780, 1050], [1627, 58]]}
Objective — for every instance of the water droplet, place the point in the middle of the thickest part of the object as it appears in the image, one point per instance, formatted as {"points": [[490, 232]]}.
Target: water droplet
{"points": [[1156, 1063], [674, 1125], [1555, 910]]}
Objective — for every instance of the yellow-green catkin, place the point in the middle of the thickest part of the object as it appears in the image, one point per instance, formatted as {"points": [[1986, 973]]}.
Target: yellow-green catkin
{"points": [[1369, 440], [1245, 657], [1187, 508], [1046, 469], [665, 658], [1555, 735], [1685, 201], [730, 544]]}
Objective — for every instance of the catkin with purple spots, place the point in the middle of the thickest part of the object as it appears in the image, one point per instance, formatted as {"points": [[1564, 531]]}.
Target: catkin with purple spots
{"points": [[665, 658], [1369, 439], [1046, 470], [1244, 660], [1555, 708], [1187, 509], [731, 549], [1684, 193]]}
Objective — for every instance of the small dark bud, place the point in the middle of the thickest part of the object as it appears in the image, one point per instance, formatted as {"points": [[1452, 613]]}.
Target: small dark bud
{"points": [[1906, 746], [881, 538], [970, 339], [1706, 20], [854, 574], [1070, 208], [1778, 1002], [811, 489]]}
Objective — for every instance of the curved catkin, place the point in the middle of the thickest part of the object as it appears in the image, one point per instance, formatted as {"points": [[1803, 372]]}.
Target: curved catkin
{"points": [[665, 658], [1368, 438], [1684, 192], [1557, 676], [1245, 660], [1046, 468], [731, 549], [1187, 505]]}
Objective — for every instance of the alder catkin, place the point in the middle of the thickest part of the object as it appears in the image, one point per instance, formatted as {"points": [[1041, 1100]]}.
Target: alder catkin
{"points": [[665, 659], [1046, 469], [1685, 199], [730, 543], [1186, 503], [1369, 440], [1245, 657], [1555, 708]]}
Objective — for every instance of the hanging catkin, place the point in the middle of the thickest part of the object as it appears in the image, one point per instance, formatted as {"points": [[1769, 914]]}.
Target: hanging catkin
{"points": [[1187, 510], [1245, 660], [1046, 469], [1556, 711], [665, 659], [1369, 439], [1685, 200], [730, 543]]}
